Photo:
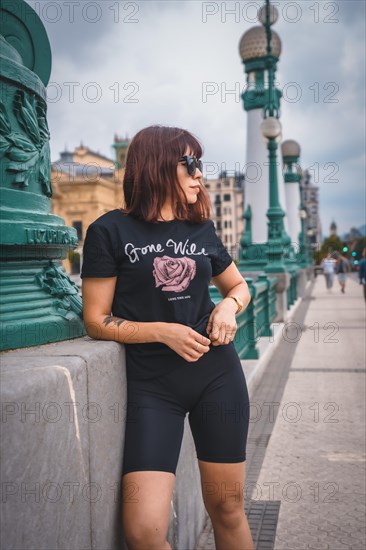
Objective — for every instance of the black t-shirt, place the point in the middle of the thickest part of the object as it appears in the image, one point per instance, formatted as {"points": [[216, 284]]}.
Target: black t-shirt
{"points": [[163, 273]]}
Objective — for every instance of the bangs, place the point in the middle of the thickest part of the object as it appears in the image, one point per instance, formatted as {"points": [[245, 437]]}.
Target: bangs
{"points": [[188, 140], [179, 141], [151, 174]]}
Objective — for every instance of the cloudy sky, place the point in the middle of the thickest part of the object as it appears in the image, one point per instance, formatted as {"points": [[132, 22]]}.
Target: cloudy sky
{"points": [[120, 66]]}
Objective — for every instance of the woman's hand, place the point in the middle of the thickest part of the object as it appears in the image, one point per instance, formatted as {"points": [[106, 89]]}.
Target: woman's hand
{"points": [[221, 326], [185, 341]]}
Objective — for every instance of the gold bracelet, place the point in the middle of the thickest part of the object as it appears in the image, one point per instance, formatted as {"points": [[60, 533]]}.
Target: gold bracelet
{"points": [[238, 303]]}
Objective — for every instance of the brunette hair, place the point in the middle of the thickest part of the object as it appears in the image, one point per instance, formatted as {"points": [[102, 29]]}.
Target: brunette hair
{"points": [[151, 175]]}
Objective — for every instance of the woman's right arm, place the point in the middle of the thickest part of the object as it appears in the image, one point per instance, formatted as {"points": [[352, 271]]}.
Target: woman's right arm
{"points": [[97, 295]]}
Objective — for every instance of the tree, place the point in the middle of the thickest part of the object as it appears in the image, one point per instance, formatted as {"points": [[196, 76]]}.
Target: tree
{"points": [[331, 244], [74, 258], [359, 246]]}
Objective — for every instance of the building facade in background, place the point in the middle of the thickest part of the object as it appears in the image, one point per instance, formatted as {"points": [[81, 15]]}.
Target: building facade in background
{"points": [[227, 207], [310, 199], [86, 185]]}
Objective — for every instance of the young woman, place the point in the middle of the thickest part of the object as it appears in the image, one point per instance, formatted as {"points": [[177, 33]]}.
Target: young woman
{"points": [[145, 277], [328, 265]]}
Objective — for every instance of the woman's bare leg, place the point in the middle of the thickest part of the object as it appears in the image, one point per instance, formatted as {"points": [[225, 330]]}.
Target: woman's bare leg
{"points": [[223, 494], [146, 501]]}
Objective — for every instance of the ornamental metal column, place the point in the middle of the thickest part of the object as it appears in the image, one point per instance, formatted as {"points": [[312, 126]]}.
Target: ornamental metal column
{"points": [[252, 49], [297, 214], [292, 175], [39, 303], [271, 130]]}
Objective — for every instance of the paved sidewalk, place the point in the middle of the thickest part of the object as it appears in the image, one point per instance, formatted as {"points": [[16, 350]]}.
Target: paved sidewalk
{"points": [[305, 486]]}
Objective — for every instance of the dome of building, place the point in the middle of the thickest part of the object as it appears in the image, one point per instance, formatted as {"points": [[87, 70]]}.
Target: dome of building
{"points": [[290, 148], [253, 43]]}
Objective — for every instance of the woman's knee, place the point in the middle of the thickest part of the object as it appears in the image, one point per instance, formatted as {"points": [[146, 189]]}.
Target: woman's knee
{"points": [[144, 534], [228, 514], [226, 506], [146, 509]]}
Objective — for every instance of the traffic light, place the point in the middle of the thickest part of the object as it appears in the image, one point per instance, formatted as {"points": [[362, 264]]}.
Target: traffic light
{"points": [[345, 249], [354, 254]]}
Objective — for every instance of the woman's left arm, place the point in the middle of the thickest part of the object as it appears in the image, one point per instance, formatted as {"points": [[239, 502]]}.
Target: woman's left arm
{"points": [[221, 326]]}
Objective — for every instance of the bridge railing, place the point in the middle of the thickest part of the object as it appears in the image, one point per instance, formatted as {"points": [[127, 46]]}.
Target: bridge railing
{"points": [[256, 320], [292, 289]]}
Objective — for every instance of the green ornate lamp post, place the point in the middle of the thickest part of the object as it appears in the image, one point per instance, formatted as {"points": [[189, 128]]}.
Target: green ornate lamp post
{"points": [[253, 52], [310, 245], [292, 176], [271, 130], [39, 303], [302, 257]]}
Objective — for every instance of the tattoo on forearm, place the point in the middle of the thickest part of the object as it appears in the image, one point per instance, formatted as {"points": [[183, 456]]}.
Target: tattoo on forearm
{"points": [[113, 319]]}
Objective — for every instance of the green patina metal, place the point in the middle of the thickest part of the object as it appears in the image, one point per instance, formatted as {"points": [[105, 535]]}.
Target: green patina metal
{"points": [[292, 175], [275, 216], [268, 312], [292, 169], [278, 239], [39, 303], [256, 95], [252, 256], [277, 255], [255, 321]]}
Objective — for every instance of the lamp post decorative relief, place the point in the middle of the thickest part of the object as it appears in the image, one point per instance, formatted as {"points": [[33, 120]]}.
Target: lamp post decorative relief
{"points": [[39, 303]]}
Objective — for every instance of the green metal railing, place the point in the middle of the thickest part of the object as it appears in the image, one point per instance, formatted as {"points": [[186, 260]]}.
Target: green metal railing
{"points": [[256, 320], [292, 289]]}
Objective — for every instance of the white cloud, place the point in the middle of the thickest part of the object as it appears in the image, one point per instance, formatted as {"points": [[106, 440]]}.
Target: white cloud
{"points": [[170, 52]]}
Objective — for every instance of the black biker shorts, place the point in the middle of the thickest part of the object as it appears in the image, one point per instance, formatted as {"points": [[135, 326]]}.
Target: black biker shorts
{"points": [[212, 390]]}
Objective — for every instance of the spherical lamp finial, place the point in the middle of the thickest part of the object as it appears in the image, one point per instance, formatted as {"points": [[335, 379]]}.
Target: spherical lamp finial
{"points": [[273, 14], [290, 148], [253, 43], [271, 127]]}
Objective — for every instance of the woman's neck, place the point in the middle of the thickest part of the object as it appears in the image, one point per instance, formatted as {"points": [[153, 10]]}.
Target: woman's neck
{"points": [[166, 213]]}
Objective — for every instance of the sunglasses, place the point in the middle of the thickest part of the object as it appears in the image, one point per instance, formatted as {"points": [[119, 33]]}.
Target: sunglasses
{"points": [[192, 164]]}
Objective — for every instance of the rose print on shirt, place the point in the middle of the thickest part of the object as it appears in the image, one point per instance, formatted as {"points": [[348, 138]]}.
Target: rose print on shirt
{"points": [[174, 273]]}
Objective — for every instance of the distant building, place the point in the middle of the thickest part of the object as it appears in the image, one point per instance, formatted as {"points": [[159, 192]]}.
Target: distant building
{"points": [[310, 199], [227, 206], [86, 185], [120, 146], [333, 228]]}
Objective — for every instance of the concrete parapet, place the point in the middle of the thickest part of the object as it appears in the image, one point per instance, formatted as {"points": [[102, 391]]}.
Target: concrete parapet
{"points": [[301, 282], [63, 422], [69, 451], [283, 281], [45, 466]]}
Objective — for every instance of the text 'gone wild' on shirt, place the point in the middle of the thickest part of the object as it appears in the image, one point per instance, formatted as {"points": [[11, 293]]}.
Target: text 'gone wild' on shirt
{"points": [[163, 273]]}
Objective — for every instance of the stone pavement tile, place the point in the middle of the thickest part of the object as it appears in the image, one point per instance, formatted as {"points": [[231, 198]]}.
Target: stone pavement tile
{"points": [[336, 544], [315, 459], [321, 546], [314, 462], [352, 541], [333, 327]]}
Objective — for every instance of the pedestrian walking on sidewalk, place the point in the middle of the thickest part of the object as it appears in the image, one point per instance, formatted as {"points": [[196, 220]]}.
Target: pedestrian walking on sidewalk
{"points": [[328, 265], [146, 271], [362, 272], [342, 268]]}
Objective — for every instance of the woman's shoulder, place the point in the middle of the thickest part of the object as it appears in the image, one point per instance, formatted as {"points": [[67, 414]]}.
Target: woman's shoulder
{"points": [[108, 219]]}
